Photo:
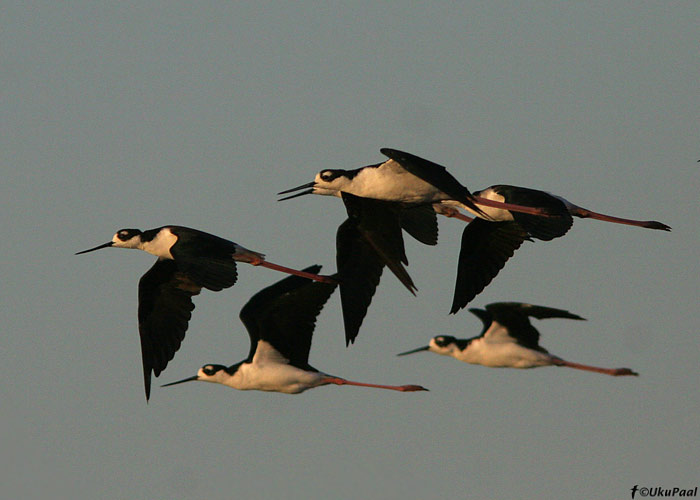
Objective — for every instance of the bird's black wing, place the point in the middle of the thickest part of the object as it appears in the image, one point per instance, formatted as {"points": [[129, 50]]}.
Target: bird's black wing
{"points": [[359, 270], [486, 246], [165, 308], [514, 316], [420, 221], [533, 311], [367, 241], [206, 258], [284, 315], [434, 174], [556, 224], [214, 275], [510, 318], [379, 224]]}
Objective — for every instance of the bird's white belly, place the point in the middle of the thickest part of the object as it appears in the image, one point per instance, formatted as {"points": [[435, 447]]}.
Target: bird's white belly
{"points": [[502, 355], [275, 377], [393, 184]]}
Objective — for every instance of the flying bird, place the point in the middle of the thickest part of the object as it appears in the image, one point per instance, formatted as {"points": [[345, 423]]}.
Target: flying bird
{"points": [[508, 340], [188, 260], [486, 246], [559, 208], [406, 179], [280, 320]]}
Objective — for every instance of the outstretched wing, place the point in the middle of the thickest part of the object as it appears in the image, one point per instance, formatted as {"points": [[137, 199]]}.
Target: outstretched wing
{"points": [[367, 241], [486, 247], [359, 270], [284, 315], [165, 309], [420, 221], [539, 312], [379, 224], [513, 317]]}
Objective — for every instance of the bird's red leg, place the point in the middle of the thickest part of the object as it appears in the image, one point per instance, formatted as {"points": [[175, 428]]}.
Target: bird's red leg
{"points": [[258, 261], [401, 388], [303, 274], [584, 213], [450, 212], [615, 372]]}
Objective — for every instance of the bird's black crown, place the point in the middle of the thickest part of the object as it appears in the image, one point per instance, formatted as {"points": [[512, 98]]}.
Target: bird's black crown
{"points": [[127, 234], [330, 175], [212, 369], [444, 340]]}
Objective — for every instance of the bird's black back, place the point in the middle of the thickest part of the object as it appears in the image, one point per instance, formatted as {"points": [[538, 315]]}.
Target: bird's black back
{"points": [[206, 258]]}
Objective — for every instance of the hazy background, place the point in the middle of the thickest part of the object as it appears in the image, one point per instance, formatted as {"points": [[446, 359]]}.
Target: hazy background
{"points": [[121, 115]]}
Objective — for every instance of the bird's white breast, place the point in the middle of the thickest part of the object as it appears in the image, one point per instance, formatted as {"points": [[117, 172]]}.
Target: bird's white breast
{"points": [[501, 354]]}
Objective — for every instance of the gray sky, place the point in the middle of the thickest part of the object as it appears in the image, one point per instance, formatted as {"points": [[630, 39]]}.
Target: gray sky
{"points": [[197, 114]]}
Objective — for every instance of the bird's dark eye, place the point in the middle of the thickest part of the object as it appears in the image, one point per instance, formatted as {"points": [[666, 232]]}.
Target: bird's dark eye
{"points": [[208, 370], [127, 234], [327, 175], [441, 341]]}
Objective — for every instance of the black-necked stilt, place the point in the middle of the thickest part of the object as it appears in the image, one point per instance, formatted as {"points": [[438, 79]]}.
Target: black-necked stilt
{"points": [[369, 239], [486, 246], [508, 340], [188, 260], [546, 228], [280, 320], [404, 178]]}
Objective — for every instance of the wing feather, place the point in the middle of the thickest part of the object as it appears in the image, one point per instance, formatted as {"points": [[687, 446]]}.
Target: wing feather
{"points": [[165, 309]]}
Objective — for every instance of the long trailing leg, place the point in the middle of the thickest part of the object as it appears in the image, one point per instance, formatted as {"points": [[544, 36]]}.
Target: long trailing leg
{"points": [[257, 260], [584, 213], [615, 372], [452, 212], [401, 388]]}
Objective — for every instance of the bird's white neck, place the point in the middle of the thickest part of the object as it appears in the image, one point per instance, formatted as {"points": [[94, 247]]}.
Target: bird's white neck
{"points": [[160, 245]]}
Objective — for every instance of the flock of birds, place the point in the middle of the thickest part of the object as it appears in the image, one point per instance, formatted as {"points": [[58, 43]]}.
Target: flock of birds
{"points": [[404, 193]]}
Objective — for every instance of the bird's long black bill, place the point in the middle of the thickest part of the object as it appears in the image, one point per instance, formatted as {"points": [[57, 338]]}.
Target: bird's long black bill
{"points": [[105, 245], [188, 379], [296, 195], [308, 186], [424, 348]]}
